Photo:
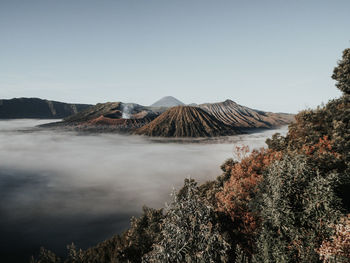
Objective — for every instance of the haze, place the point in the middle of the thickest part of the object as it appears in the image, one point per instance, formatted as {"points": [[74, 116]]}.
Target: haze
{"points": [[63, 187], [269, 55]]}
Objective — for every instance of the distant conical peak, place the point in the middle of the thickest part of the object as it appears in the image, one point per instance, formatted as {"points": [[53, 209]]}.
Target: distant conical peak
{"points": [[229, 101], [167, 101]]}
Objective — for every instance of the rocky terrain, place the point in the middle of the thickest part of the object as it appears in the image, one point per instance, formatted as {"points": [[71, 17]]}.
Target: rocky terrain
{"points": [[204, 120], [23, 108], [110, 116], [235, 115], [186, 121]]}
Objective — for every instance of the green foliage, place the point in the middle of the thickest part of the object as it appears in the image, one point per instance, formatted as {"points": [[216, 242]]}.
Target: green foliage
{"points": [[342, 72], [324, 136], [241, 256], [297, 205], [277, 142], [74, 255], [189, 231], [226, 167], [46, 256]]}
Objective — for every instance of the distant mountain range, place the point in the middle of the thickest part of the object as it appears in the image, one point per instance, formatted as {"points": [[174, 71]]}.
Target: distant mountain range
{"points": [[38, 108], [204, 120]]}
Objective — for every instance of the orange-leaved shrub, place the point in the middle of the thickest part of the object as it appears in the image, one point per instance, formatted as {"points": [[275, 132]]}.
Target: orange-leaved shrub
{"points": [[238, 191]]}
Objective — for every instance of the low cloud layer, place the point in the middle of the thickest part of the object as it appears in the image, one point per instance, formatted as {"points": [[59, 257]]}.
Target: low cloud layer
{"points": [[59, 187]]}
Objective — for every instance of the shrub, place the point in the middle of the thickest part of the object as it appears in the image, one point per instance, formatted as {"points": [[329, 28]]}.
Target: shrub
{"points": [[337, 249], [189, 232], [297, 205], [238, 190], [46, 256]]}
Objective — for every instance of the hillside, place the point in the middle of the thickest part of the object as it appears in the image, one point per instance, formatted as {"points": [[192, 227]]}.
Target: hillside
{"points": [[167, 102], [186, 121], [233, 114], [205, 120], [38, 109], [109, 116]]}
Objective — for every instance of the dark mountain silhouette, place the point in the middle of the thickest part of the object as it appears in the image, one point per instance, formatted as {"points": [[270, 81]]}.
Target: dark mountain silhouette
{"points": [[233, 114], [186, 121], [167, 102], [37, 108]]}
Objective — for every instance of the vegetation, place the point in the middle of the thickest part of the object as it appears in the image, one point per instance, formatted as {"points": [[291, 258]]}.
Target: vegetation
{"points": [[288, 203], [342, 73], [337, 249], [297, 205], [237, 192], [189, 231]]}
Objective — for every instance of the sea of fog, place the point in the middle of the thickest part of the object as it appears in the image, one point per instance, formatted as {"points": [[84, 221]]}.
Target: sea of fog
{"points": [[59, 187]]}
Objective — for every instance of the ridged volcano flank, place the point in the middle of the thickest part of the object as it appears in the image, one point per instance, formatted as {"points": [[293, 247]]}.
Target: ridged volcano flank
{"points": [[235, 115], [186, 121]]}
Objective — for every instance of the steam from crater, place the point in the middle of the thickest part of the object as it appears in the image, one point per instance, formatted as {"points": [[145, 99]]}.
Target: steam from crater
{"points": [[127, 111]]}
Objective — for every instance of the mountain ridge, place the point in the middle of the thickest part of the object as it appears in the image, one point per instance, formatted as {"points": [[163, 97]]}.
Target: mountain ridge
{"points": [[215, 119], [22, 108], [233, 114]]}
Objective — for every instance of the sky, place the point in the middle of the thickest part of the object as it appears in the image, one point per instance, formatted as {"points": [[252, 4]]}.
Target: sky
{"points": [[268, 55]]}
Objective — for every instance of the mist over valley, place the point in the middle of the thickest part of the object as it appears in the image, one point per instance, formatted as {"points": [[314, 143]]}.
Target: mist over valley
{"points": [[59, 187]]}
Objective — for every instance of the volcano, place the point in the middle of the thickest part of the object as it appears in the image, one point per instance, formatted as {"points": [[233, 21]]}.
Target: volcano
{"points": [[186, 121], [235, 115], [108, 117], [167, 102]]}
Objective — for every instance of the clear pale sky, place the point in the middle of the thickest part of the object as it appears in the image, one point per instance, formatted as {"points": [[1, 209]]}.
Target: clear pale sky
{"points": [[269, 55]]}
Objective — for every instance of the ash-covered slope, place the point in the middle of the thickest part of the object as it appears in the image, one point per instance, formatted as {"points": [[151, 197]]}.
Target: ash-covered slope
{"points": [[109, 116], [186, 121], [167, 102], [236, 115], [38, 109]]}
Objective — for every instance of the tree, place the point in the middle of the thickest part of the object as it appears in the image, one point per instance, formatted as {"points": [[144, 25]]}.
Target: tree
{"points": [[297, 204], [46, 256], [341, 73], [74, 255], [189, 232]]}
